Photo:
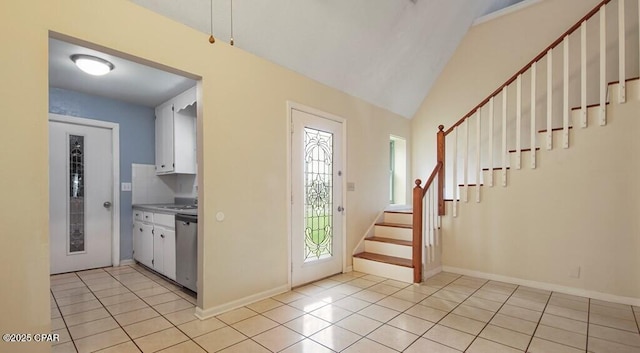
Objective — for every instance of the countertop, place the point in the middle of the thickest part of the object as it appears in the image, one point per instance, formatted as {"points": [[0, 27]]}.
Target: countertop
{"points": [[162, 208]]}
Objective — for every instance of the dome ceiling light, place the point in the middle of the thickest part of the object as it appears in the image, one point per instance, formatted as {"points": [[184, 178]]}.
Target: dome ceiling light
{"points": [[92, 65]]}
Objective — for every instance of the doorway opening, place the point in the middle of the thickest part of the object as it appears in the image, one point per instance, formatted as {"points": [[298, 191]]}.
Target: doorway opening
{"points": [[397, 170], [125, 97]]}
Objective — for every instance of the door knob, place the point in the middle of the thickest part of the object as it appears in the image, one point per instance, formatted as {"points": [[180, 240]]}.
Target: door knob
{"points": [[106, 204]]}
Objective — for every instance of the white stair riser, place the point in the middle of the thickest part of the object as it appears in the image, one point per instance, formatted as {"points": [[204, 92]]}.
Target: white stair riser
{"points": [[378, 247], [399, 273], [525, 157], [633, 91], [394, 232], [400, 218]]}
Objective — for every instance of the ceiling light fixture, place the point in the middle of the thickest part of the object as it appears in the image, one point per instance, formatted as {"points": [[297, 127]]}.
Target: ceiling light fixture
{"points": [[92, 65], [231, 41], [211, 38]]}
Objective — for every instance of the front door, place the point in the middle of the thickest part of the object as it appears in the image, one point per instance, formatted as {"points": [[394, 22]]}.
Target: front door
{"points": [[80, 196], [317, 211]]}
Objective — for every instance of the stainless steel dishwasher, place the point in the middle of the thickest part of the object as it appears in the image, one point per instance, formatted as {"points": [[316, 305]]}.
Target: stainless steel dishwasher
{"points": [[187, 250]]}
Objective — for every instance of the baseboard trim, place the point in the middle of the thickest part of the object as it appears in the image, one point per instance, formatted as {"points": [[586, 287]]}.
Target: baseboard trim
{"points": [[349, 269], [127, 262], [432, 272], [217, 310], [546, 286]]}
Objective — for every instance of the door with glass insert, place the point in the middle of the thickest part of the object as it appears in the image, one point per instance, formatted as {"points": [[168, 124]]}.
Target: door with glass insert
{"points": [[317, 209], [80, 189]]}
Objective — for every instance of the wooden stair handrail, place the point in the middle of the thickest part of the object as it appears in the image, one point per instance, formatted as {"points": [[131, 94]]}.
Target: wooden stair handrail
{"points": [[419, 191], [527, 66], [418, 196]]}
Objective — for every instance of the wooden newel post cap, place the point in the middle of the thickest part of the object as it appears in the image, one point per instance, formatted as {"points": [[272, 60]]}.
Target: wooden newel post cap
{"points": [[418, 182], [441, 127]]}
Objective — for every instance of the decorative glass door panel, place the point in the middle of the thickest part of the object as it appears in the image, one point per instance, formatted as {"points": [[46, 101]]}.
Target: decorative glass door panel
{"points": [[318, 175], [316, 187], [76, 195]]}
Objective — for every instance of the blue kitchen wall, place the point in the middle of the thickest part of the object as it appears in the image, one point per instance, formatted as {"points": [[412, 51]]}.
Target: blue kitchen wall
{"points": [[137, 141]]}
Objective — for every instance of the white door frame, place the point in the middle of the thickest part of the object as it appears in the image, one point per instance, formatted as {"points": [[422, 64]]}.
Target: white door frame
{"points": [[115, 139], [290, 107]]}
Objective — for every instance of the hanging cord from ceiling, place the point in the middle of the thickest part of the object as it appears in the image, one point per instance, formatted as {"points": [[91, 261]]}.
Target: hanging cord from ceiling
{"points": [[211, 38], [231, 41]]}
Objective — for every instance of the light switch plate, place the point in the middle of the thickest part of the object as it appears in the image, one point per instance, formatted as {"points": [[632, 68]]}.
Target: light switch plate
{"points": [[126, 187]]}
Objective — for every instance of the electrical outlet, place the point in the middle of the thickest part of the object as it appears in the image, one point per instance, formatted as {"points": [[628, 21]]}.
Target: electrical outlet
{"points": [[126, 187], [574, 272]]}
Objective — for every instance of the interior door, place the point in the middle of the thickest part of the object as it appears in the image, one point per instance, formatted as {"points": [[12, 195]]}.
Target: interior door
{"points": [[317, 211], [80, 196]]}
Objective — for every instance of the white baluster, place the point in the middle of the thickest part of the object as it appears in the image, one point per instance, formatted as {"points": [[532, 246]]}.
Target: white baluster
{"points": [[603, 65], [622, 87], [431, 217], [518, 121], [491, 141], [466, 161], [505, 152], [427, 226], [454, 174], [565, 95], [583, 74], [478, 164], [549, 98], [427, 221], [435, 212], [434, 221], [533, 115]]}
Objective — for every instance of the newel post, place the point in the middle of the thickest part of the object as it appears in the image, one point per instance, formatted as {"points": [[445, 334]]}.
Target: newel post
{"points": [[417, 232], [440, 158]]}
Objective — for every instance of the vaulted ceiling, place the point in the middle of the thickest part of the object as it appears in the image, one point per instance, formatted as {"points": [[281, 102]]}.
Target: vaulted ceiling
{"points": [[387, 52]]}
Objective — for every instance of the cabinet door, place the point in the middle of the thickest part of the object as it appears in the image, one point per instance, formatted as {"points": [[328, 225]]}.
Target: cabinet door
{"points": [[169, 253], [158, 248], [143, 243], [164, 139], [185, 143]]}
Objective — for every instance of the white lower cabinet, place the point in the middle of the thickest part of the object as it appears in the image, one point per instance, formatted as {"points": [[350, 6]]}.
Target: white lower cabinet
{"points": [[154, 242], [164, 251], [143, 243]]}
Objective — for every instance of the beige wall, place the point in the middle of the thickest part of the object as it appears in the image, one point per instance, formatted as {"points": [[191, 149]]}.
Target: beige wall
{"points": [[578, 209], [242, 155], [488, 55]]}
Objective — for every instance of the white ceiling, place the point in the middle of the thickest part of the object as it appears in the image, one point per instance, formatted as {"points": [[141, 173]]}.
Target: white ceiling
{"points": [[386, 52], [129, 81]]}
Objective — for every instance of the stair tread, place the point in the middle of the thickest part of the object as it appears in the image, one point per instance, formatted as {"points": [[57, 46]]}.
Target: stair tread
{"points": [[395, 225], [554, 129], [589, 106], [495, 168], [399, 211], [523, 150], [391, 241], [399, 261], [627, 80]]}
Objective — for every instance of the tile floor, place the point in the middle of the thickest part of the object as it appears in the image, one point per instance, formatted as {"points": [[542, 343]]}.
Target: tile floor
{"points": [[129, 309]]}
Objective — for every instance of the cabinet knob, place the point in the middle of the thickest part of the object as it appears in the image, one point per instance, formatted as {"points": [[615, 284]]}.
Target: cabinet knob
{"points": [[162, 166], [141, 229], [161, 235]]}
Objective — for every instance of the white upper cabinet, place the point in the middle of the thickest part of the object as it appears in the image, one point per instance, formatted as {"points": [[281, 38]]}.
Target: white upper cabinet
{"points": [[176, 134]]}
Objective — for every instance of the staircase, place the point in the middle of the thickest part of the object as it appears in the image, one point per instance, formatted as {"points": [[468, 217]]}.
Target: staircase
{"points": [[493, 140], [388, 253]]}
